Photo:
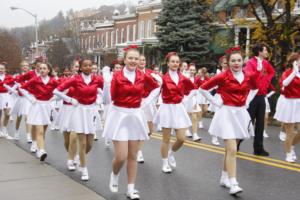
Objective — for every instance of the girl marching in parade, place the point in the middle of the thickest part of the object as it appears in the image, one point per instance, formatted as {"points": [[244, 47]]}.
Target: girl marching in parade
{"points": [[171, 113], [39, 91], [149, 110], [288, 106], [223, 66], [116, 66], [21, 108], [63, 124], [22, 79], [6, 80], [84, 114], [234, 86], [203, 77], [192, 106], [126, 124]]}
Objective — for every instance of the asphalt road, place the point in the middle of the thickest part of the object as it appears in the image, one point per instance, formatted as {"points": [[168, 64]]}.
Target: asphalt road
{"points": [[197, 174]]}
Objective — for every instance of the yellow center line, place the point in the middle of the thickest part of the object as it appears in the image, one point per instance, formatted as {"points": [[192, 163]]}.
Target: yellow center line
{"points": [[220, 151], [240, 153]]}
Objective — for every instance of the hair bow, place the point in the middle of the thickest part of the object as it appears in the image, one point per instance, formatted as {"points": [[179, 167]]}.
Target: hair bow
{"points": [[233, 49], [170, 54]]}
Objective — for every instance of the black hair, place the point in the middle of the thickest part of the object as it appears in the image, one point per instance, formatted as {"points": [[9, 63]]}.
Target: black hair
{"points": [[258, 48]]}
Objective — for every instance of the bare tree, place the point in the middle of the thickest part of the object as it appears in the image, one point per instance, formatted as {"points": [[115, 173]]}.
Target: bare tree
{"points": [[10, 51]]}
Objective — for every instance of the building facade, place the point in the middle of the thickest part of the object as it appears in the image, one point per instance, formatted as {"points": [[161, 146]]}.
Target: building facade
{"points": [[106, 39]]}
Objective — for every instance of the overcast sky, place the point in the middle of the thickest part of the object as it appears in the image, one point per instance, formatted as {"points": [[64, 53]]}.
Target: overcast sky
{"points": [[45, 9]]}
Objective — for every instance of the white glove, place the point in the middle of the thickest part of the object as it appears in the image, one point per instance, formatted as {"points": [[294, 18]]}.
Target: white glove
{"points": [[270, 94], [106, 74], [33, 100], [17, 84], [157, 78], [259, 64], [11, 90], [74, 102], [295, 66], [106, 69]]}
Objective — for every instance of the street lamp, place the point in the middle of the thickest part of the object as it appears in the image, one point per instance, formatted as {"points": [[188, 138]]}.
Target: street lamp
{"points": [[36, 25]]}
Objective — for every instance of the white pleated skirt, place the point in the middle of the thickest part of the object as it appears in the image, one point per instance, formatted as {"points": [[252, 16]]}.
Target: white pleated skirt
{"points": [[57, 104], [125, 124], [172, 116], [287, 110], [150, 111], [6, 101], [231, 123], [84, 119], [268, 108], [105, 110], [159, 100], [191, 104], [62, 122], [201, 99], [212, 107], [40, 113], [21, 107]]}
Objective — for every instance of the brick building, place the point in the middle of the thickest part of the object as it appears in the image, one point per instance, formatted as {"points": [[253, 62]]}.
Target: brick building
{"points": [[106, 39]]}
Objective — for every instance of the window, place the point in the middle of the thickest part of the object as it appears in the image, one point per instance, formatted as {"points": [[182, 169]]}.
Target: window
{"points": [[297, 5], [93, 45], [154, 27], [98, 40], [106, 39], [134, 32], [242, 13], [89, 42], [117, 35], [149, 29], [86, 43], [260, 12], [112, 39], [141, 29], [128, 33], [229, 14], [102, 40], [122, 35]]}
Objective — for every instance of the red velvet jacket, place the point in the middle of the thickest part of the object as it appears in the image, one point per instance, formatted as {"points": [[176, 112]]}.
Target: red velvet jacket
{"points": [[293, 89], [128, 95], [39, 90], [84, 93], [232, 92], [8, 80], [265, 76], [172, 93]]}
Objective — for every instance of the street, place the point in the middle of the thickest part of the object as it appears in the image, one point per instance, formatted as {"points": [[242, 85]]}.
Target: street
{"points": [[197, 174]]}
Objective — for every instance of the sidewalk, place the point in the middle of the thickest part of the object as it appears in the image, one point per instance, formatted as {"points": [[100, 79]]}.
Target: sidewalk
{"points": [[22, 177]]}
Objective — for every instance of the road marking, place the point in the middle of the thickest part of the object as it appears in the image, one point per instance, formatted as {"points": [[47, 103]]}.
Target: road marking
{"points": [[242, 155]]}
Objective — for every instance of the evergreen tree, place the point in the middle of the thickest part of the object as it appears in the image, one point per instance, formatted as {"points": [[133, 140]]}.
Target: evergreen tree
{"points": [[184, 27]]}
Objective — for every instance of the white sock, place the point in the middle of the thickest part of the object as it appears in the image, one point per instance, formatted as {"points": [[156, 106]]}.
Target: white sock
{"points": [[233, 181], [165, 161], [224, 174], [115, 176], [171, 152], [130, 188]]}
